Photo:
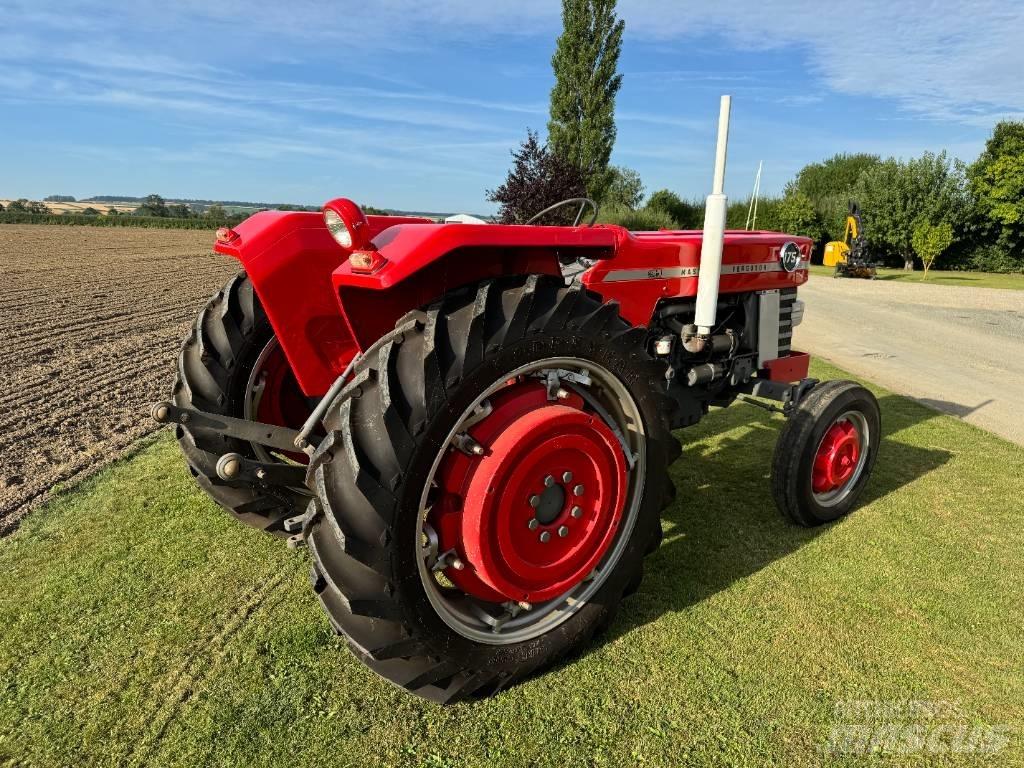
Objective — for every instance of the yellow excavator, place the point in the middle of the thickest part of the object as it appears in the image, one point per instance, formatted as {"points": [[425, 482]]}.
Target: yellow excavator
{"points": [[849, 256]]}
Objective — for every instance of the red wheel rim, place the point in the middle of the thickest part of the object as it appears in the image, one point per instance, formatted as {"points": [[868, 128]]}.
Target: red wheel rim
{"points": [[274, 397], [534, 514], [838, 457], [480, 555]]}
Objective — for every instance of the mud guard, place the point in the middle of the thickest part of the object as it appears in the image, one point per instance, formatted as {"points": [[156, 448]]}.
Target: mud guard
{"points": [[289, 257]]}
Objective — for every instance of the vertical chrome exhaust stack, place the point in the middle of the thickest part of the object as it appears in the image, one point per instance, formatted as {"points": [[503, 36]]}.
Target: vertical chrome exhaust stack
{"points": [[714, 231]]}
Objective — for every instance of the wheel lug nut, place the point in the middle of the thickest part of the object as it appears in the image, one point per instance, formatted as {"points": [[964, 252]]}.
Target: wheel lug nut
{"points": [[545, 537], [523, 605], [562, 394], [567, 477], [535, 501], [576, 512], [533, 524], [457, 564], [549, 481], [578, 490], [563, 531]]}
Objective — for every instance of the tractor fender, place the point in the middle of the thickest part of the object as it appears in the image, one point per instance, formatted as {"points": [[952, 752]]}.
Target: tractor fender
{"points": [[422, 262], [289, 257]]}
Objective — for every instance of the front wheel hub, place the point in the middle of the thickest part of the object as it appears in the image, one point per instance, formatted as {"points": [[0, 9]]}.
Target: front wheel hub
{"points": [[837, 458], [538, 510]]}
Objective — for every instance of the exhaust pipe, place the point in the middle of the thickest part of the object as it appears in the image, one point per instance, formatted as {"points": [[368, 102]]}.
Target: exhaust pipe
{"points": [[714, 232]]}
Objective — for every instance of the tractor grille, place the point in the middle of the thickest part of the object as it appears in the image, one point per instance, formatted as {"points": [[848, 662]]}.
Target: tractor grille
{"points": [[786, 298]]}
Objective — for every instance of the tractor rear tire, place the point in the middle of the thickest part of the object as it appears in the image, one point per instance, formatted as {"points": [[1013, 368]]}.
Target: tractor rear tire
{"points": [[392, 428], [214, 365], [825, 453]]}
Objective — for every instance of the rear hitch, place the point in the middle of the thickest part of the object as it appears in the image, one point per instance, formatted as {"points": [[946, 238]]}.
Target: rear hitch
{"points": [[300, 525], [234, 467], [282, 438]]}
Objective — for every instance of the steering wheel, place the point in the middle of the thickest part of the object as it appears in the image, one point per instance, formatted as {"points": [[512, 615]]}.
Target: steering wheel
{"points": [[583, 201]]}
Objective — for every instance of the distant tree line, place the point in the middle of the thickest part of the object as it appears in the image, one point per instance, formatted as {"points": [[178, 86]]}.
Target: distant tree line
{"points": [[931, 209], [926, 210], [152, 211], [922, 210]]}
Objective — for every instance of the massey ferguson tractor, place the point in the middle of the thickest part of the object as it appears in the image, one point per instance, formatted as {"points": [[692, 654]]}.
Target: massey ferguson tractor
{"points": [[470, 425]]}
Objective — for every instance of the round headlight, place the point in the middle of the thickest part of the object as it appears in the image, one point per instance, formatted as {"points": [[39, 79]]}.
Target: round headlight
{"points": [[336, 226]]}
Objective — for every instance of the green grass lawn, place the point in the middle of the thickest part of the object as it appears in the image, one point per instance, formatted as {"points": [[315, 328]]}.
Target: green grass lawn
{"points": [[141, 626], [935, 277]]}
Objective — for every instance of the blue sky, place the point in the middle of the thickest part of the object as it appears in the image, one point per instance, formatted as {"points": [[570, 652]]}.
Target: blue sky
{"points": [[415, 105]]}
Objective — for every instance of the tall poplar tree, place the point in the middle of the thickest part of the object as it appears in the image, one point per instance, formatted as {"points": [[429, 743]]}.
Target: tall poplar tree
{"points": [[582, 125]]}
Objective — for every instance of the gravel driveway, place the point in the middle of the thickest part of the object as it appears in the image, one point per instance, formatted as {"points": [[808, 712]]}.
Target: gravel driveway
{"points": [[959, 350]]}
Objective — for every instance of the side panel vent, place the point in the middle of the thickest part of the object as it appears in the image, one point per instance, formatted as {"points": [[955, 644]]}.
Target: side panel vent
{"points": [[786, 298]]}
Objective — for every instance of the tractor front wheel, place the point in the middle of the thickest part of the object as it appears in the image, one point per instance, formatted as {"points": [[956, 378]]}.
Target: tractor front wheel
{"points": [[825, 453], [490, 483]]}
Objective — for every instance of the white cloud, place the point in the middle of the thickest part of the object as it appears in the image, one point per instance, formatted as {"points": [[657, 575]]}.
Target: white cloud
{"points": [[938, 58]]}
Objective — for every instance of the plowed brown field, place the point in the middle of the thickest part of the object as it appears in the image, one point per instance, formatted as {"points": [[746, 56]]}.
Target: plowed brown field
{"points": [[90, 324]]}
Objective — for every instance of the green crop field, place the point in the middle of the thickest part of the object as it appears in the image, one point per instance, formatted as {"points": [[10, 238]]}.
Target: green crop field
{"points": [[937, 277], [141, 626]]}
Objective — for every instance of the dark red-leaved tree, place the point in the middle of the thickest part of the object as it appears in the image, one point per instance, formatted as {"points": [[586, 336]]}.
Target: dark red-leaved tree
{"points": [[538, 178]]}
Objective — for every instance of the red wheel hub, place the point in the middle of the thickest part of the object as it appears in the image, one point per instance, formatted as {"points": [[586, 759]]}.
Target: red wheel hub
{"points": [[533, 516], [281, 402], [837, 457]]}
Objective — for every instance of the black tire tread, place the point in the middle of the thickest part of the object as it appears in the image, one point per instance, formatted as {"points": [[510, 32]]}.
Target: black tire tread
{"points": [[788, 458], [371, 441], [229, 329]]}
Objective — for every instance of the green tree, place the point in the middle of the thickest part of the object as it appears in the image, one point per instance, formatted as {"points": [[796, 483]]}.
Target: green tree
{"points": [[829, 185], [686, 215], [624, 187], [179, 211], [896, 196], [90, 212], [645, 219], [582, 125], [997, 181], [930, 240], [216, 212], [795, 214], [18, 206], [113, 212], [153, 205]]}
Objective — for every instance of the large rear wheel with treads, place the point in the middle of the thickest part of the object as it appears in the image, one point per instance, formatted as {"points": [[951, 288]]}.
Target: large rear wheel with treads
{"points": [[231, 364], [492, 478]]}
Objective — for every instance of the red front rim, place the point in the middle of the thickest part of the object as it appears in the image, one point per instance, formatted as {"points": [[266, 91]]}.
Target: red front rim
{"points": [[838, 457]]}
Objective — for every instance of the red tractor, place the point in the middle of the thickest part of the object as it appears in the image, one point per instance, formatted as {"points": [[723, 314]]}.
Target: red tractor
{"points": [[470, 426]]}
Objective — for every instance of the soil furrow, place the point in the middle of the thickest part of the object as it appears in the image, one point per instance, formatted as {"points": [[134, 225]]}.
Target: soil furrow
{"points": [[91, 321]]}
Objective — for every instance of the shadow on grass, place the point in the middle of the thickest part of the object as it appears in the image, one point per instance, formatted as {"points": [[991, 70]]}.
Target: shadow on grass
{"points": [[954, 409], [724, 526]]}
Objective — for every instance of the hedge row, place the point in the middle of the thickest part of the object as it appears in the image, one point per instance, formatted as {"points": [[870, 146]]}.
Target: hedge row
{"points": [[152, 222]]}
